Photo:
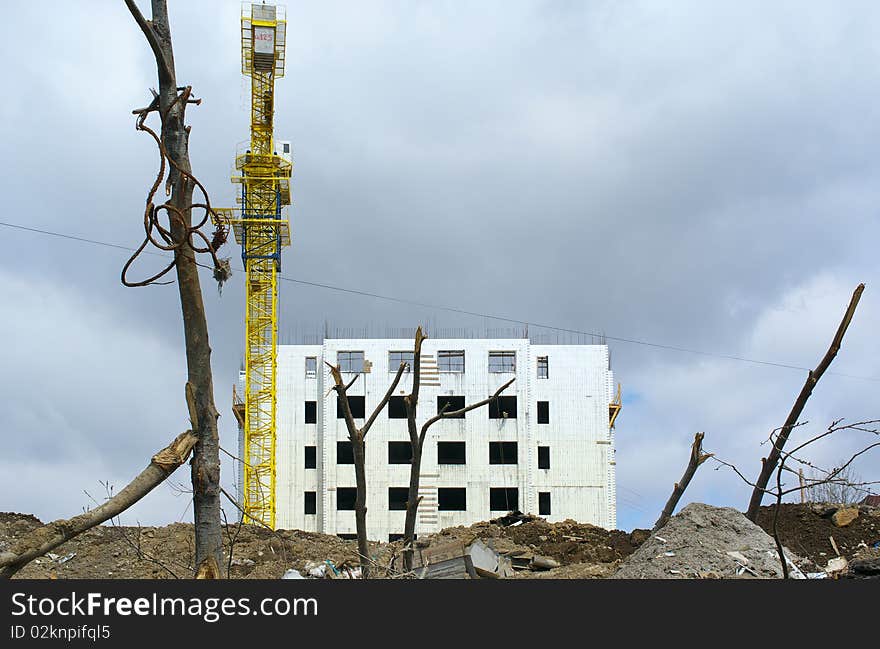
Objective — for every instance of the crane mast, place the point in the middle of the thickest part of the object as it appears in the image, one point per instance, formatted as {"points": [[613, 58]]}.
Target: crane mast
{"points": [[262, 230]]}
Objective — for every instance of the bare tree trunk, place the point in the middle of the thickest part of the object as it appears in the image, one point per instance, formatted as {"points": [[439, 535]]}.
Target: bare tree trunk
{"points": [[411, 401], [696, 459], [175, 138], [50, 536], [770, 462], [360, 503], [358, 443], [417, 439], [412, 505]]}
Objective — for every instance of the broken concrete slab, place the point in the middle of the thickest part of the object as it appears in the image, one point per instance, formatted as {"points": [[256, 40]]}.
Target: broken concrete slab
{"points": [[488, 563]]}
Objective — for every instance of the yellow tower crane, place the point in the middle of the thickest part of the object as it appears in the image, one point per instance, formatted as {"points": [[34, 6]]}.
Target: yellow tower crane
{"points": [[262, 230]]}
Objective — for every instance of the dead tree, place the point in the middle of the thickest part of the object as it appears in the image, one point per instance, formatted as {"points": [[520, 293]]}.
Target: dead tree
{"points": [[49, 537], [772, 460], [417, 440], [181, 237], [696, 459], [834, 476], [357, 435]]}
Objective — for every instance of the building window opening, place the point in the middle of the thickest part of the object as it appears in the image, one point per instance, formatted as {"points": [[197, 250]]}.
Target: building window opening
{"points": [[344, 452], [450, 452], [503, 408], [396, 358], [397, 408], [453, 403], [311, 367], [504, 499], [501, 362], [543, 503], [452, 499], [345, 498], [357, 405], [543, 367], [352, 362], [311, 412], [397, 497], [543, 457], [543, 412], [502, 453], [450, 361], [399, 452]]}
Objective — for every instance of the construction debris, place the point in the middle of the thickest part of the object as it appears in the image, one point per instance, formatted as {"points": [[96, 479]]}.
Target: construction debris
{"points": [[543, 563], [836, 566], [524, 549], [704, 541], [488, 563], [513, 518]]}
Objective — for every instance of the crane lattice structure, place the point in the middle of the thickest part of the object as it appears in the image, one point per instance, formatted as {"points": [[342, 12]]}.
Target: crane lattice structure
{"points": [[262, 230]]}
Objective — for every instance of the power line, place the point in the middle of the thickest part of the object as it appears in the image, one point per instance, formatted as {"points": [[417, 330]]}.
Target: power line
{"points": [[351, 291]]}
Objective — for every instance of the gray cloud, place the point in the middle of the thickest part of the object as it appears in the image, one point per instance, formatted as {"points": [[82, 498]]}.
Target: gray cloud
{"points": [[700, 176]]}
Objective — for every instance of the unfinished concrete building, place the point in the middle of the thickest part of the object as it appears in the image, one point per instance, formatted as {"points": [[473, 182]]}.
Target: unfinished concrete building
{"points": [[546, 447]]}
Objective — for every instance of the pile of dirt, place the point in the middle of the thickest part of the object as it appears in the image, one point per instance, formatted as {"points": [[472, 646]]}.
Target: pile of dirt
{"points": [[807, 530], [705, 542], [700, 539], [116, 552], [582, 550]]}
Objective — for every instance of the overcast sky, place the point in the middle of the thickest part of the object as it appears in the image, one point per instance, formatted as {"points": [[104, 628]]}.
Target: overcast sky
{"points": [[693, 174]]}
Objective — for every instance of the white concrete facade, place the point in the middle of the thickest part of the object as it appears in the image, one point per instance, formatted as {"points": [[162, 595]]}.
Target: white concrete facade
{"points": [[580, 479]]}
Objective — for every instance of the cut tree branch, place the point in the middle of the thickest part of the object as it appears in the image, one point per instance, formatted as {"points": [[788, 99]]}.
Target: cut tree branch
{"points": [[772, 460], [50, 536], [147, 28], [696, 459]]}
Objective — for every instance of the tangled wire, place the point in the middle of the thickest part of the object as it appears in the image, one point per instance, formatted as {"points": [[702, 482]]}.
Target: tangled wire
{"points": [[176, 215]]}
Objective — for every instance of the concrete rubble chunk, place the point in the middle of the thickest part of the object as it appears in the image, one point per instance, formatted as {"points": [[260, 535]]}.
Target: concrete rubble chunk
{"points": [[836, 566], [488, 563], [543, 563]]}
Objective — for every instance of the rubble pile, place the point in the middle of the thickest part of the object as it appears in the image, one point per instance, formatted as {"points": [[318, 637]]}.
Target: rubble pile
{"points": [[126, 552], [833, 541], [706, 542], [535, 548]]}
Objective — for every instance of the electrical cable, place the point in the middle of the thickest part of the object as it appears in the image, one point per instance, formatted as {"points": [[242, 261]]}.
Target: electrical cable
{"points": [[461, 311]]}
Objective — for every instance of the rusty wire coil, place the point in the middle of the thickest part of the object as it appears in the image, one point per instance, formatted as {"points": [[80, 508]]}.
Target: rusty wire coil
{"points": [[162, 237]]}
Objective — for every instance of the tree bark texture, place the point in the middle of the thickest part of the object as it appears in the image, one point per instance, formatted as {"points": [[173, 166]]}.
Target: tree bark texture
{"points": [[49, 537], [175, 138], [770, 462]]}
